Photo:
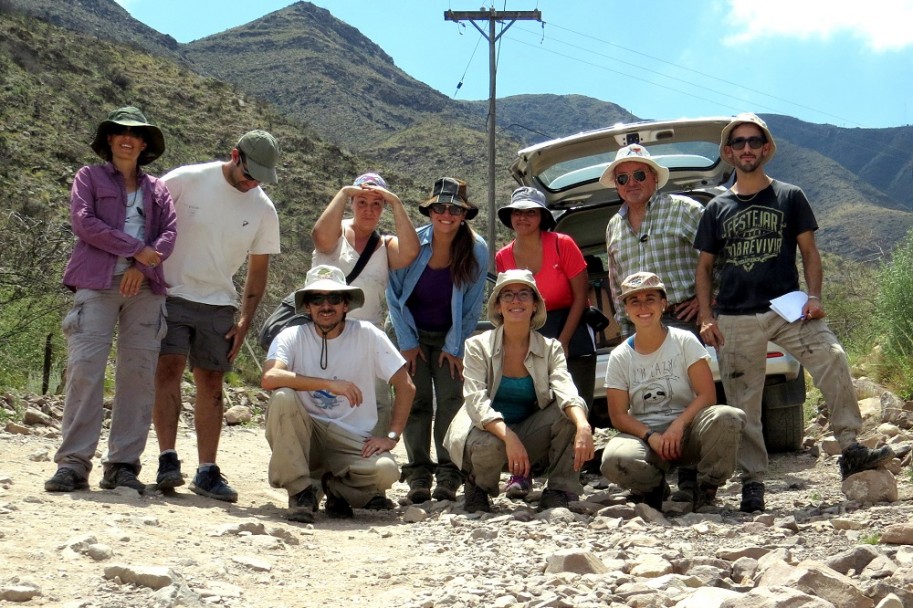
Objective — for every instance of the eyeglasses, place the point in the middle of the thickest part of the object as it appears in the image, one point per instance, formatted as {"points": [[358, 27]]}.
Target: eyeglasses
{"points": [[754, 142], [524, 295], [334, 299], [639, 175], [524, 212], [442, 208]]}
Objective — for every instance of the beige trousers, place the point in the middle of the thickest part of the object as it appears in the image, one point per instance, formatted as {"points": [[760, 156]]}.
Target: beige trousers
{"points": [[711, 443], [742, 370], [304, 449]]}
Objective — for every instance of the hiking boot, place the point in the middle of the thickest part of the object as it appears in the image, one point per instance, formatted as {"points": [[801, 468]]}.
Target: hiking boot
{"points": [[302, 506], [66, 480], [475, 499], [419, 490], [752, 497], [169, 473], [552, 499], [121, 475], [379, 503], [210, 482], [518, 487], [858, 458], [704, 496], [446, 489], [655, 497], [687, 486], [336, 506]]}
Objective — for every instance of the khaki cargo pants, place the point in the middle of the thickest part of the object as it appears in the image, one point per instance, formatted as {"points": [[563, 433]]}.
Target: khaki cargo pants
{"points": [[303, 449]]}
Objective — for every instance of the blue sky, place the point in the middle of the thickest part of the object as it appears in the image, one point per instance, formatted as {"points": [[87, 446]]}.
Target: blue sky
{"points": [[822, 61]]}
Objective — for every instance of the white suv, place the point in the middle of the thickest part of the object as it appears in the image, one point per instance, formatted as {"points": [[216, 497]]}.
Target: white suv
{"points": [[567, 171]]}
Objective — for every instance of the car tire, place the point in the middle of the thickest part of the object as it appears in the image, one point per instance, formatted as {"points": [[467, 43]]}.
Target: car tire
{"points": [[783, 415]]}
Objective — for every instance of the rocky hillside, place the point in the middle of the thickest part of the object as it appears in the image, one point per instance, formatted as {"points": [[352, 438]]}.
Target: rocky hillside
{"points": [[325, 74]]}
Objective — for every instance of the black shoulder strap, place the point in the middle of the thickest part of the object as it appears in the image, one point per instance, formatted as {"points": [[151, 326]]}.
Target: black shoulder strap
{"points": [[366, 254]]}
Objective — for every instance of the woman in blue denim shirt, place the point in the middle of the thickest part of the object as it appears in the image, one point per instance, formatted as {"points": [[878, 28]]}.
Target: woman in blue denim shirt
{"points": [[434, 305]]}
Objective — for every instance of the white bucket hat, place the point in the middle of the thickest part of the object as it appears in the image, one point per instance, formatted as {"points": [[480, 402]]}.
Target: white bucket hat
{"points": [[328, 278], [512, 277], [634, 153]]}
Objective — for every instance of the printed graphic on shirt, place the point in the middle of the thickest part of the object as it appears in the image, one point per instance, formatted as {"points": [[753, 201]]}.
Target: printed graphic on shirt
{"points": [[656, 395], [753, 236], [654, 385], [326, 400]]}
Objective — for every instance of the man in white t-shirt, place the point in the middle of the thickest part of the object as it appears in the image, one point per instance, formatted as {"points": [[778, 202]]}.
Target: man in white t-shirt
{"points": [[323, 409], [224, 219]]}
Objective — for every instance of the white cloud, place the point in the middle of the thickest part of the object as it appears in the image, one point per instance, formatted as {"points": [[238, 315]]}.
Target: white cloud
{"points": [[881, 26]]}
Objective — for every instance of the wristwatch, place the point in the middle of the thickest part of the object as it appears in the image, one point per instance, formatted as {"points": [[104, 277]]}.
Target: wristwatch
{"points": [[393, 436], [647, 436]]}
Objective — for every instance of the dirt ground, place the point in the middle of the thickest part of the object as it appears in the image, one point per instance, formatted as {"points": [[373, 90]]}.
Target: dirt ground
{"points": [[88, 548], [330, 563]]}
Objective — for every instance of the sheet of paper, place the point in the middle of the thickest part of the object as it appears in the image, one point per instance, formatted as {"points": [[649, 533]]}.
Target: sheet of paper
{"points": [[789, 306]]}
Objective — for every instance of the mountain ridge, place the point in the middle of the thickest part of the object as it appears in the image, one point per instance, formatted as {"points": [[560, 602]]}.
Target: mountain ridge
{"points": [[326, 76]]}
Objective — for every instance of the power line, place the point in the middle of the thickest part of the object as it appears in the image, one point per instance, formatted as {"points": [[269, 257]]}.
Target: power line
{"points": [[639, 78], [677, 66]]}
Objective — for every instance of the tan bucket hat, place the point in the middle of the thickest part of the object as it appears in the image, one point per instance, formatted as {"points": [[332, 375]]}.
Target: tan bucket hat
{"points": [[513, 277]]}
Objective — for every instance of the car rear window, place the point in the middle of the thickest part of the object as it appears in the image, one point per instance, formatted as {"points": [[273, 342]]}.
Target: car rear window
{"points": [[693, 155]]}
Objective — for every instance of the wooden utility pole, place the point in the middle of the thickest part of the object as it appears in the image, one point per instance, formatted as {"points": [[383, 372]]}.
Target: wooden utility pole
{"points": [[492, 16]]}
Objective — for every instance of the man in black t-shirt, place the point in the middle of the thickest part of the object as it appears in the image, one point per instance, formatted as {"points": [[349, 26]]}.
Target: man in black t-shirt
{"points": [[752, 232]]}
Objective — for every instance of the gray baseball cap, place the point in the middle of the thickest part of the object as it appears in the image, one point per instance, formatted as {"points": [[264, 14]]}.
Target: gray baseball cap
{"points": [[261, 153]]}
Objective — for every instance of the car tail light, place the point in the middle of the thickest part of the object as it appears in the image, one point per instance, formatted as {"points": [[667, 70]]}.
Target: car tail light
{"points": [[774, 354]]}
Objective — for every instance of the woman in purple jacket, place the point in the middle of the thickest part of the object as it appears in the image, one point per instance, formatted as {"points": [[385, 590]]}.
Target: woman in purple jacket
{"points": [[124, 222]]}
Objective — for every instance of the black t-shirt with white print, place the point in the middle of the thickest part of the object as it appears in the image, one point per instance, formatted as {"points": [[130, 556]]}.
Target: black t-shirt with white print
{"points": [[754, 242]]}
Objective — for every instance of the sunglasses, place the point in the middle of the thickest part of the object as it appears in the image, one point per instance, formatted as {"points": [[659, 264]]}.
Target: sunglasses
{"points": [[334, 299], [524, 295], [117, 129], [242, 162], [754, 142], [638, 175], [442, 208]]}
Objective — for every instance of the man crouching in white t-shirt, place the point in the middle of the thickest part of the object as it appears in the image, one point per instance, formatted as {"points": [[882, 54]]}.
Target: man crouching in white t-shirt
{"points": [[324, 406]]}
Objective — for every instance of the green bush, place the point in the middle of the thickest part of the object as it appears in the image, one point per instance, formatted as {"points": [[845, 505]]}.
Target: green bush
{"points": [[894, 315], [848, 300]]}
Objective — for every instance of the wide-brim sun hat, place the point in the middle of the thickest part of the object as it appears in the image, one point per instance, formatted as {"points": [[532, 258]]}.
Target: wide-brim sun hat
{"points": [[639, 282], [450, 191], [261, 154], [634, 153], [132, 117], [749, 118], [328, 279], [516, 276], [526, 197]]}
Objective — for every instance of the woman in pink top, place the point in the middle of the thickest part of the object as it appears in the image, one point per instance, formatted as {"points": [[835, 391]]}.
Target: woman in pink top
{"points": [[560, 272]]}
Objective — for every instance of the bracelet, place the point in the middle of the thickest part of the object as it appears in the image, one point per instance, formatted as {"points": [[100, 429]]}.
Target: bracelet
{"points": [[647, 436], [814, 298]]}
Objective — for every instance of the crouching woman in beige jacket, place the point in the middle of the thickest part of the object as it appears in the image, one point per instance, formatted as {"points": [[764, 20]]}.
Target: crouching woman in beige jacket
{"points": [[520, 405]]}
